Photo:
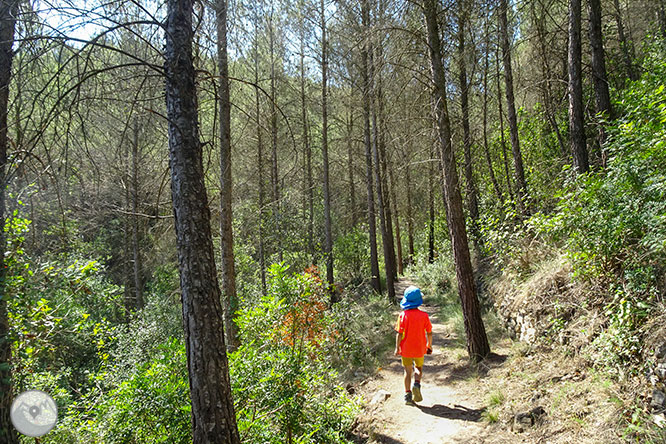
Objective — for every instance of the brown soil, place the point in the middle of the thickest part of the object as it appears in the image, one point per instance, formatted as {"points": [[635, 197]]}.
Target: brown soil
{"points": [[476, 404]]}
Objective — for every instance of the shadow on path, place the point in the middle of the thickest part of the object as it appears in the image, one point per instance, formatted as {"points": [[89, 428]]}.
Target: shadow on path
{"points": [[456, 412]]}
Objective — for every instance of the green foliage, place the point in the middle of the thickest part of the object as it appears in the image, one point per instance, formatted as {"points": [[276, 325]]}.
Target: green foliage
{"points": [[351, 255], [285, 389]]}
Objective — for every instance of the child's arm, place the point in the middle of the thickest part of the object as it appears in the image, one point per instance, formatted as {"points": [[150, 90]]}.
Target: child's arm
{"points": [[429, 343], [398, 337]]}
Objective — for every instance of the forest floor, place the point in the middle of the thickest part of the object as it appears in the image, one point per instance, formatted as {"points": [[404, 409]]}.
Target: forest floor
{"points": [[478, 404]]}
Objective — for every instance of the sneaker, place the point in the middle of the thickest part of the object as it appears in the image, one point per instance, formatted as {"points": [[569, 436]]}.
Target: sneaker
{"points": [[417, 393], [408, 399]]}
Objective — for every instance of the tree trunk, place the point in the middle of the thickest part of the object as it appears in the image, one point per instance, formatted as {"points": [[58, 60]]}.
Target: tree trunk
{"points": [[539, 19], [576, 123], [274, 136], [136, 251], [398, 239], [505, 158], [519, 172], [213, 417], [599, 76], [625, 45], [477, 341], [350, 166], [8, 13], [486, 148], [230, 297], [380, 192], [410, 219], [470, 187], [309, 185], [260, 157], [328, 245], [431, 207], [367, 92]]}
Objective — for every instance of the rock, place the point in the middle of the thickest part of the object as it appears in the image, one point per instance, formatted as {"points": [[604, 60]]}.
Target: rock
{"points": [[379, 397], [524, 420], [661, 372], [658, 403], [659, 420], [660, 353]]}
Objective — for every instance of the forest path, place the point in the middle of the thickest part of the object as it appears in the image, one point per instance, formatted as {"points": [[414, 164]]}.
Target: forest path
{"points": [[450, 411]]}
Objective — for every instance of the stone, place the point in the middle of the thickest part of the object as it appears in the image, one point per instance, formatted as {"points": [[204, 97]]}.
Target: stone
{"points": [[658, 403], [379, 397], [661, 372], [660, 353], [522, 421], [659, 420]]}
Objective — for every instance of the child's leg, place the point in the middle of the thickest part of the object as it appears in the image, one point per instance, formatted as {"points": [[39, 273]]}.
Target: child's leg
{"points": [[418, 374], [408, 377]]}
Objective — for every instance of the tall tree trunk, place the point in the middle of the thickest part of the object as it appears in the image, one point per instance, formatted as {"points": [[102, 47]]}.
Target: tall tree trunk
{"points": [[328, 245], [213, 417], [505, 158], [599, 76], [128, 266], [307, 149], [470, 187], [539, 18], [350, 166], [381, 204], [8, 13], [486, 148], [477, 341], [394, 202], [576, 123], [408, 213], [367, 94], [136, 251], [260, 157], [625, 45], [230, 297], [519, 171], [431, 207], [275, 178]]}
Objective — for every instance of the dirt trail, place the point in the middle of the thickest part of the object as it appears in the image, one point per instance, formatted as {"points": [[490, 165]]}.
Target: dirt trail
{"points": [[581, 406], [446, 415]]}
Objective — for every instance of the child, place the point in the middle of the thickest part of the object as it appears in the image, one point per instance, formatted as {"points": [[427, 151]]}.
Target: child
{"points": [[413, 340]]}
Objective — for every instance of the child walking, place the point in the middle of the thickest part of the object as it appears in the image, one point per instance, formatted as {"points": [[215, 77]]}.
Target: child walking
{"points": [[413, 339]]}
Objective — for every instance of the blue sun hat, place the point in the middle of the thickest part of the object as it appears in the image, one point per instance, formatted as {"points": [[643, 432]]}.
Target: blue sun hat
{"points": [[412, 298]]}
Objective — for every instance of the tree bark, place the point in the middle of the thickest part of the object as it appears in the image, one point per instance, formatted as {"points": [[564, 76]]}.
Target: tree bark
{"points": [[470, 186], [367, 92], [307, 149], [398, 239], [431, 207], [230, 297], [576, 123], [486, 148], [275, 179], [625, 45], [519, 171], [260, 157], [136, 251], [505, 158], [408, 215], [381, 204], [477, 341], [328, 245], [213, 417], [599, 75], [8, 13], [350, 166]]}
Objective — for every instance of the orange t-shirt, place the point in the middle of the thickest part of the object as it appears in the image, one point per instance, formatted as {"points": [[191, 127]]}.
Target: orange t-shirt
{"points": [[413, 324]]}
